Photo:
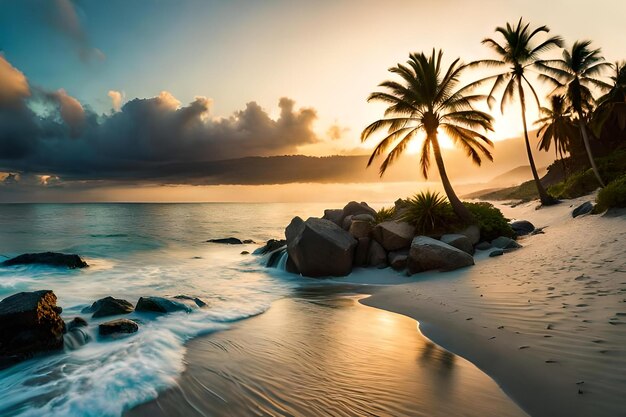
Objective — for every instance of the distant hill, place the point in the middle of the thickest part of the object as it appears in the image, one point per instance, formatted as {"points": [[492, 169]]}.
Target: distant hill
{"points": [[515, 176]]}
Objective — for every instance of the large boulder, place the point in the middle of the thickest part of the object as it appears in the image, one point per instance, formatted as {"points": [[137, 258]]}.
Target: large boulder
{"points": [[334, 215], [427, 253], [522, 227], [159, 305], [504, 242], [48, 258], [109, 306], [119, 326], [30, 322], [472, 232], [393, 235], [360, 228], [319, 247], [376, 255], [459, 241], [584, 208], [364, 217], [353, 208], [398, 259]]}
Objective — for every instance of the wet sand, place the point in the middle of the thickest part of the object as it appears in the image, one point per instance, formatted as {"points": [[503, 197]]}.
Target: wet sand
{"points": [[323, 353]]}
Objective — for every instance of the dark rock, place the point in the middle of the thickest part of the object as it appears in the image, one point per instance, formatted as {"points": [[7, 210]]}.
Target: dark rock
{"points": [[377, 255], [76, 322], [459, 241], [29, 323], [159, 305], [226, 241], [109, 306], [505, 243], [483, 246], [360, 228], [248, 241], [427, 253], [398, 259], [270, 246], [347, 222], [319, 247], [76, 338], [48, 258], [362, 249], [364, 217], [198, 302], [117, 326], [245, 252], [496, 252], [584, 208], [353, 208], [393, 235], [334, 215], [522, 227], [472, 232]]}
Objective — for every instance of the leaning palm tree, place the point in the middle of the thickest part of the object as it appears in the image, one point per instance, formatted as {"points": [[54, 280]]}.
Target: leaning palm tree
{"points": [[427, 100], [577, 72], [556, 127], [518, 52]]}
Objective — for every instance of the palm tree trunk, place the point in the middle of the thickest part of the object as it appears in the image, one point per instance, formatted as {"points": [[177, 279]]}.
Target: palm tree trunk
{"points": [[583, 131], [459, 208], [546, 200]]}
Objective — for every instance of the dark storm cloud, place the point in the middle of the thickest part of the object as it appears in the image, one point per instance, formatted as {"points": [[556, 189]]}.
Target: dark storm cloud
{"points": [[51, 133]]}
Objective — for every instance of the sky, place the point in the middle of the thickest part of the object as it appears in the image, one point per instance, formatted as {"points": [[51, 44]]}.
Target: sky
{"points": [[115, 93]]}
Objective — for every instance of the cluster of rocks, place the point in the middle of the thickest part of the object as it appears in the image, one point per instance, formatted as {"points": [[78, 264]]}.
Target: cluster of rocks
{"points": [[350, 237], [31, 323]]}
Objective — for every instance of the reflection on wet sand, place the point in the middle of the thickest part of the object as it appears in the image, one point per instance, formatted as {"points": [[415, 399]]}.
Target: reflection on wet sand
{"points": [[325, 354]]}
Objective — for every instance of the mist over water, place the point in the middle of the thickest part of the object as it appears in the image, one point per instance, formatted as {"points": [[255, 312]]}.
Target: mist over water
{"points": [[138, 250]]}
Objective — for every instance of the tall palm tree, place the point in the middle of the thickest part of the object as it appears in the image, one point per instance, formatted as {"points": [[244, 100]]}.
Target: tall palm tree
{"points": [[613, 103], [577, 72], [556, 126], [518, 52], [428, 101]]}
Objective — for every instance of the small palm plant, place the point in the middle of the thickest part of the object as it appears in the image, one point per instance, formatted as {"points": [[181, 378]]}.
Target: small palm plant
{"points": [[385, 214], [428, 212], [556, 127]]}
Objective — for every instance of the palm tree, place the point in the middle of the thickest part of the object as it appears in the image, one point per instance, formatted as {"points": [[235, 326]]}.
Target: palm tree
{"points": [[556, 127], [613, 103], [518, 52], [425, 101], [577, 72]]}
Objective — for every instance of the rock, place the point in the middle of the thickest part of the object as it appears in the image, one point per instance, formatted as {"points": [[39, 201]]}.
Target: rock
{"points": [[76, 322], [427, 253], [226, 241], [319, 247], [522, 227], [244, 252], [76, 338], [29, 323], [270, 246], [505, 243], [483, 246], [117, 326], [48, 258], [459, 241], [334, 215], [347, 222], [584, 208], [398, 259], [109, 306], [376, 255], [393, 235], [496, 252], [159, 305], [360, 228], [353, 208], [198, 302], [248, 241], [472, 232], [361, 251], [364, 217]]}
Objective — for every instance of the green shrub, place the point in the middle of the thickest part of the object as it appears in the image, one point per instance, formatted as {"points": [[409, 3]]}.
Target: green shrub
{"points": [[385, 214], [429, 212], [576, 185], [613, 195], [491, 221]]}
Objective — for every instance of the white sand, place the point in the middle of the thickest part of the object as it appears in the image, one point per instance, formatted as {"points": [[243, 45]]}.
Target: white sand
{"points": [[544, 321]]}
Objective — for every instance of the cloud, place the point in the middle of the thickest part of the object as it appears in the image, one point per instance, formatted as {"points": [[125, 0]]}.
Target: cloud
{"points": [[336, 132], [116, 99], [65, 19], [13, 83]]}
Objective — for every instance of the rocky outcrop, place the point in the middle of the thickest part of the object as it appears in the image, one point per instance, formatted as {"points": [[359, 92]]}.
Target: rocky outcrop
{"points": [[393, 235], [319, 247], [505, 243], [119, 326], [376, 255], [360, 228], [226, 241], [334, 215], [427, 253], [398, 259], [270, 246], [459, 241], [195, 300], [353, 208], [522, 227], [48, 258], [159, 305], [584, 208], [30, 323], [109, 306]]}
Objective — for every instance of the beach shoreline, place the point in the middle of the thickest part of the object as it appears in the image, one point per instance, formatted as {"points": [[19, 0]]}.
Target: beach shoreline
{"points": [[546, 322]]}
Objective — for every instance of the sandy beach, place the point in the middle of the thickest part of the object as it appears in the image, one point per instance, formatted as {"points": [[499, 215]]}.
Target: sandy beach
{"points": [[547, 322]]}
